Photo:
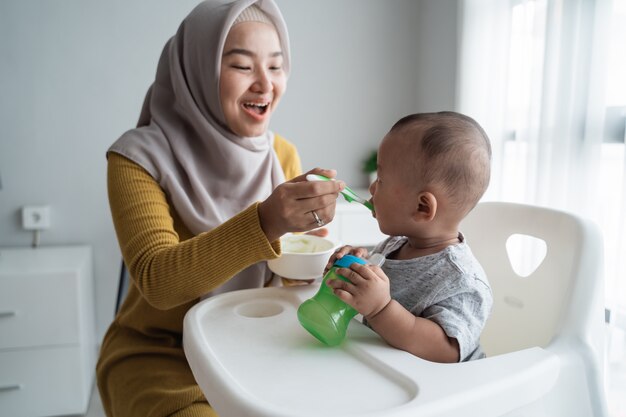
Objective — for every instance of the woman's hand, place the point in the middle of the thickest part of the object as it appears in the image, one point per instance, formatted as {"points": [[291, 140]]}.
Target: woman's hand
{"points": [[345, 250], [291, 206], [368, 290]]}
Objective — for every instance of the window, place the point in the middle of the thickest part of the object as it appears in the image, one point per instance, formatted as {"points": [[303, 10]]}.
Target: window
{"points": [[529, 160], [546, 80]]}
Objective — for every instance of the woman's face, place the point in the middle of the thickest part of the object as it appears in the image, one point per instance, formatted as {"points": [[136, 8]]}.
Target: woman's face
{"points": [[252, 79]]}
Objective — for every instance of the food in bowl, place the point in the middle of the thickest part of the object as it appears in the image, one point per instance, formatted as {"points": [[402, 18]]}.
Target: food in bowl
{"points": [[303, 256]]}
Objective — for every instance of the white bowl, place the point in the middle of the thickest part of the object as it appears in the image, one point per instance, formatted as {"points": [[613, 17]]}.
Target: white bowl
{"points": [[303, 256]]}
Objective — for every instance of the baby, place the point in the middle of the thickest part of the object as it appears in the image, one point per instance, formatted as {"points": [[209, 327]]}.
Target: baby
{"points": [[431, 297]]}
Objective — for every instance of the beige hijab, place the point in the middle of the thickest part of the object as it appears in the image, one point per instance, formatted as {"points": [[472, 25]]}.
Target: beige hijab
{"points": [[208, 173]]}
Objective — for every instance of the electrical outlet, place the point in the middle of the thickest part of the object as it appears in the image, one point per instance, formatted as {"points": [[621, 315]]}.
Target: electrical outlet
{"points": [[36, 217]]}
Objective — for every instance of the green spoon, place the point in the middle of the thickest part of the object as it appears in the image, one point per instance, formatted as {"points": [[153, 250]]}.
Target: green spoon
{"points": [[347, 192]]}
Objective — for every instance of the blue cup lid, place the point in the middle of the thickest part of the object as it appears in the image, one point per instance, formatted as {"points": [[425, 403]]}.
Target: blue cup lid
{"points": [[348, 260]]}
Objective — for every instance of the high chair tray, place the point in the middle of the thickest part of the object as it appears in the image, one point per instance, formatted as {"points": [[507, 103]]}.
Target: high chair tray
{"points": [[251, 357]]}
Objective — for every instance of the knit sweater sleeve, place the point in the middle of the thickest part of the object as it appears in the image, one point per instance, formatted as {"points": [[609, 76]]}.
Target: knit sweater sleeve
{"points": [[167, 271]]}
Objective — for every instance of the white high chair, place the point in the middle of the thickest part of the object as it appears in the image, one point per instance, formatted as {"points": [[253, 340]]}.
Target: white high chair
{"points": [[558, 308], [544, 342]]}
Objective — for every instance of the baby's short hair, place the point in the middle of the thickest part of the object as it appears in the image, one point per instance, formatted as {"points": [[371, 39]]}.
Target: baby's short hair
{"points": [[455, 154]]}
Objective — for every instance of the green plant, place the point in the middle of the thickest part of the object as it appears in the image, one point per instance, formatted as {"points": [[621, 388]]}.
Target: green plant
{"points": [[369, 164]]}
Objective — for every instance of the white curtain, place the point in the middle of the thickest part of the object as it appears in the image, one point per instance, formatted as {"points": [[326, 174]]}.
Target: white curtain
{"points": [[533, 73]]}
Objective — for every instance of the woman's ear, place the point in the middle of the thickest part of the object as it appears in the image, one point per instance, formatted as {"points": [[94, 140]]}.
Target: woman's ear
{"points": [[426, 206]]}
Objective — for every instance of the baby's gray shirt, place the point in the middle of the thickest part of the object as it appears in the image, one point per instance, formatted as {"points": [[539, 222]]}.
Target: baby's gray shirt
{"points": [[448, 287]]}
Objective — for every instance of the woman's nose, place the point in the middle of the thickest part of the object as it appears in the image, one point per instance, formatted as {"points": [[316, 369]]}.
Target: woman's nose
{"points": [[262, 83]]}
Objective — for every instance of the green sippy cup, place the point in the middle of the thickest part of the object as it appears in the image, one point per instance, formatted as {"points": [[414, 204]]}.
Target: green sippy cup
{"points": [[324, 315]]}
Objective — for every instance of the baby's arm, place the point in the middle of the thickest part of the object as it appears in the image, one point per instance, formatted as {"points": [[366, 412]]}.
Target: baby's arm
{"points": [[417, 335], [368, 293]]}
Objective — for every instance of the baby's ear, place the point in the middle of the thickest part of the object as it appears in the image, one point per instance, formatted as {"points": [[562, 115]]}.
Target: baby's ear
{"points": [[426, 206]]}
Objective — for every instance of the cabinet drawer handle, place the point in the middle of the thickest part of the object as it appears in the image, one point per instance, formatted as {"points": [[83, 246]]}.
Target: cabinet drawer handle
{"points": [[13, 387], [4, 314]]}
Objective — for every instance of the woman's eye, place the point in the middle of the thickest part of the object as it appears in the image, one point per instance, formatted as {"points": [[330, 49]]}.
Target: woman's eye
{"points": [[276, 68], [241, 67]]}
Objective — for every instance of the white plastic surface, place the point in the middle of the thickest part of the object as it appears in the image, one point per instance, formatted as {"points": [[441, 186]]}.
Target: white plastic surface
{"points": [[538, 304], [559, 306], [251, 357]]}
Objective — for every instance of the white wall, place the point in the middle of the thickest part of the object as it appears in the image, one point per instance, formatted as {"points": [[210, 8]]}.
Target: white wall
{"points": [[73, 75], [437, 32]]}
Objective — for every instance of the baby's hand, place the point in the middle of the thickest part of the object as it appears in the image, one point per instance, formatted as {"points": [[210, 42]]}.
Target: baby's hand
{"points": [[368, 289], [345, 250]]}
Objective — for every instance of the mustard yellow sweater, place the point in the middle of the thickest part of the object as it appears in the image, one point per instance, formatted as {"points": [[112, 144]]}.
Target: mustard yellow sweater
{"points": [[142, 369]]}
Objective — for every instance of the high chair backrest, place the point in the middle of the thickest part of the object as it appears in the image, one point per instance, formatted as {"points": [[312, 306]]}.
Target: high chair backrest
{"points": [[558, 297]]}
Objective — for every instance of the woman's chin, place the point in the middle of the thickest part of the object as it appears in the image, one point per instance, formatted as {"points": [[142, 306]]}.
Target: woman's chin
{"points": [[252, 131]]}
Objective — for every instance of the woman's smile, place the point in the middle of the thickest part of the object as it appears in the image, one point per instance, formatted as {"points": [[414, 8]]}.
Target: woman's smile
{"points": [[257, 110]]}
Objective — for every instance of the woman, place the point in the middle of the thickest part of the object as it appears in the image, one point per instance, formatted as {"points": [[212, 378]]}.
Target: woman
{"points": [[198, 197]]}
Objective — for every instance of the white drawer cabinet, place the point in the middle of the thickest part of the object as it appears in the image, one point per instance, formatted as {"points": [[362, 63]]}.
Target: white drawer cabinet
{"points": [[47, 340], [353, 224]]}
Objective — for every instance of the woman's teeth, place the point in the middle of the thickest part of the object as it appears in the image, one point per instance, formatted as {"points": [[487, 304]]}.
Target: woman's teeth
{"points": [[257, 107]]}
